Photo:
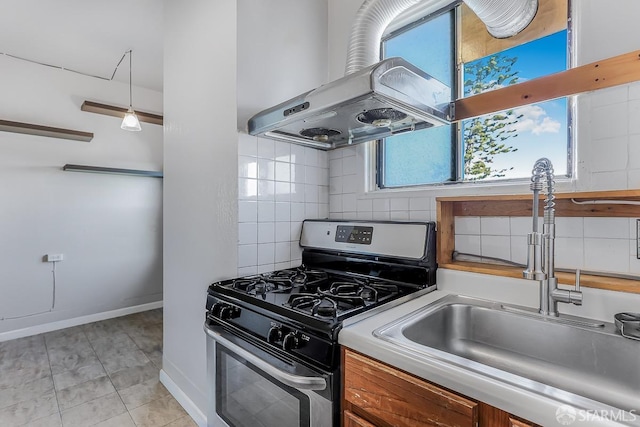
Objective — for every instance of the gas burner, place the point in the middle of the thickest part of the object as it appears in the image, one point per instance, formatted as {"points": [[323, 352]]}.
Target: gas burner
{"points": [[314, 304], [257, 285]]}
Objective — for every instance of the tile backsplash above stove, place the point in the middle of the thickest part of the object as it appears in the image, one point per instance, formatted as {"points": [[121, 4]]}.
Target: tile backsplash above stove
{"points": [[279, 185]]}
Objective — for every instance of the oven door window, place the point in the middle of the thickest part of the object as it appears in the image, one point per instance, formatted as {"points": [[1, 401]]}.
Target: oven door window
{"points": [[248, 397]]}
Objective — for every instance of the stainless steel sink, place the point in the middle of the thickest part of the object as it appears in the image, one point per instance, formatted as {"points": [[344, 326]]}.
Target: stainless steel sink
{"points": [[546, 355]]}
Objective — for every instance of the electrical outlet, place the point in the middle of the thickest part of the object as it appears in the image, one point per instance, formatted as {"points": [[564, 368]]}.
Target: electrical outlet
{"points": [[53, 257], [638, 238]]}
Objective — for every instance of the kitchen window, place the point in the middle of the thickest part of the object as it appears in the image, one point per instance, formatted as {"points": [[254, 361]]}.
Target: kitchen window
{"points": [[498, 146]]}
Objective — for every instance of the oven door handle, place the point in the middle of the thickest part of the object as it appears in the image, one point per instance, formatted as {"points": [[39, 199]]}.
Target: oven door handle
{"points": [[295, 381]]}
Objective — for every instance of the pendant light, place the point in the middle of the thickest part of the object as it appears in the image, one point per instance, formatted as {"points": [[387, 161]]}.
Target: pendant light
{"points": [[130, 121]]}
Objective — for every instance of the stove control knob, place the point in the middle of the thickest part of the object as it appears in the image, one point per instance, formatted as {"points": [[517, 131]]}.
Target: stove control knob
{"points": [[291, 341], [228, 312], [274, 334], [215, 309]]}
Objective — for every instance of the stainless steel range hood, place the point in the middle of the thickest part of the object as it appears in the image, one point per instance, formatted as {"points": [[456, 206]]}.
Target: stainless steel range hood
{"points": [[387, 98]]}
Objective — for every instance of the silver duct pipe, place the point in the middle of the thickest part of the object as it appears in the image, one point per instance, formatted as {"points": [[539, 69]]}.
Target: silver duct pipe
{"points": [[503, 18]]}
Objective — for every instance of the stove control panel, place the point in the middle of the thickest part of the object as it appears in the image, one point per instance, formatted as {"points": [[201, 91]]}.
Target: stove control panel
{"points": [[354, 234], [224, 311]]}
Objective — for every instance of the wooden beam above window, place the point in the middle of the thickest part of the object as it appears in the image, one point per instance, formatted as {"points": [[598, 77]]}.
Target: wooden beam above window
{"points": [[609, 72], [110, 110]]}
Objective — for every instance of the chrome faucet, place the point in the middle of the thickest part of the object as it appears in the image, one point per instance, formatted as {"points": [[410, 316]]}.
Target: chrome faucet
{"points": [[541, 246]]}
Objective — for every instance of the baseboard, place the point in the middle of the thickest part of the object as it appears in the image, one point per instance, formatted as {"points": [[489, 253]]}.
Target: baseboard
{"points": [[68, 323], [183, 399]]}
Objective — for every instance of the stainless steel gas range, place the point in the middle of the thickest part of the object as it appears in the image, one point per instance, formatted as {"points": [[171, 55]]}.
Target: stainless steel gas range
{"points": [[272, 349]]}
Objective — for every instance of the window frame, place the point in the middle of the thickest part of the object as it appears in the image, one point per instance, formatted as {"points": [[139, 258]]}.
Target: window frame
{"points": [[377, 154]]}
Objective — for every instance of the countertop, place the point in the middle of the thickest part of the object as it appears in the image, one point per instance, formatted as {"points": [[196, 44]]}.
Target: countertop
{"points": [[538, 408]]}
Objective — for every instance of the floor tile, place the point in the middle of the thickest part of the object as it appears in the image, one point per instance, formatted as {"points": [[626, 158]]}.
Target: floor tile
{"points": [[16, 348], [66, 337], [66, 358], [135, 375], [143, 393], [118, 340], [25, 391], [78, 375], [158, 413], [29, 411], [156, 358], [184, 422], [101, 329], [12, 378], [118, 359], [94, 411], [122, 420], [84, 392], [53, 420], [25, 359]]}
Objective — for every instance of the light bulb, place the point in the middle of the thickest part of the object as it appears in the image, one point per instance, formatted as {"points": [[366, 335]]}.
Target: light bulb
{"points": [[130, 121]]}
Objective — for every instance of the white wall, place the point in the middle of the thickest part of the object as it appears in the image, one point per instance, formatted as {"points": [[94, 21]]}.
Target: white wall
{"points": [[200, 190], [107, 226], [608, 157]]}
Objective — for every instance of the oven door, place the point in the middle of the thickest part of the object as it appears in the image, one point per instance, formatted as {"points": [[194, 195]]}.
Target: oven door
{"points": [[249, 387]]}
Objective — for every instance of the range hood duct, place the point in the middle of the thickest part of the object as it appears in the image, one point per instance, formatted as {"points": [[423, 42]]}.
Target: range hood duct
{"points": [[379, 99]]}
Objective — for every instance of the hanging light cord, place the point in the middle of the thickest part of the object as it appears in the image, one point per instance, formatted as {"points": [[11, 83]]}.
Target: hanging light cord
{"points": [[71, 70]]}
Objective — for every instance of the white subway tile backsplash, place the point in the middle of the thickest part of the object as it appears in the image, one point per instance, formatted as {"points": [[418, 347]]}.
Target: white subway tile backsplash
{"points": [[634, 113], [349, 184], [283, 191], [311, 210], [323, 210], [283, 232], [335, 167], [495, 225], [247, 211], [247, 167], [569, 252], [266, 268], [419, 204], [247, 255], [608, 180], [296, 252], [335, 203], [633, 178], [609, 228], [247, 188], [467, 225], [266, 169], [335, 185], [381, 215], [266, 232], [349, 203], [364, 215], [608, 96], [266, 211], [298, 154], [335, 154], [349, 165], [297, 173], [282, 152], [399, 204], [606, 254], [297, 192], [282, 265], [266, 148], [609, 121], [633, 227], [364, 205], [347, 215], [381, 205], [569, 227], [311, 193], [311, 157], [296, 230], [610, 154], [399, 215], [323, 194], [283, 212], [496, 246], [323, 159], [247, 271], [297, 212], [519, 249], [468, 244], [266, 190], [420, 215], [323, 176], [266, 253], [247, 233], [247, 145], [282, 171], [283, 252]]}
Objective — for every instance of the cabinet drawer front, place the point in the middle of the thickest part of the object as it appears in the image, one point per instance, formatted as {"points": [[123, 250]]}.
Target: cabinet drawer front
{"points": [[352, 420], [401, 399]]}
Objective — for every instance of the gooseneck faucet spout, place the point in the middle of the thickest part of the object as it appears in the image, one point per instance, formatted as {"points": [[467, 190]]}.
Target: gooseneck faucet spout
{"points": [[541, 250]]}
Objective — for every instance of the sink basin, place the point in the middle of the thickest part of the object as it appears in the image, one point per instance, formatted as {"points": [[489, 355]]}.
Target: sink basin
{"points": [[518, 346]]}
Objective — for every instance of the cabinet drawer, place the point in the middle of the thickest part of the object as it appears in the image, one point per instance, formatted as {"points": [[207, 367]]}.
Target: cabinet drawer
{"points": [[352, 420], [402, 399]]}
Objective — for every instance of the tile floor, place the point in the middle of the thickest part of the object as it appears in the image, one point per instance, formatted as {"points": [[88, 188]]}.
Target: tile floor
{"points": [[103, 374]]}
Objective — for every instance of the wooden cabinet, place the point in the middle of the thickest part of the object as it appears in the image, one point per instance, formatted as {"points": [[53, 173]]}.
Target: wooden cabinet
{"points": [[379, 395]]}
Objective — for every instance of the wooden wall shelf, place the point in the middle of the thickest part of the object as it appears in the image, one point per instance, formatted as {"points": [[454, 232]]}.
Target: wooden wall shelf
{"points": [[110, 110], [38, 130], [115, 171], [521, 205]]}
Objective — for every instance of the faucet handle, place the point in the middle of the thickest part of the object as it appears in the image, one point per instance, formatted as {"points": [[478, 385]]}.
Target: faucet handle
{"points": [[577, 287]]}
